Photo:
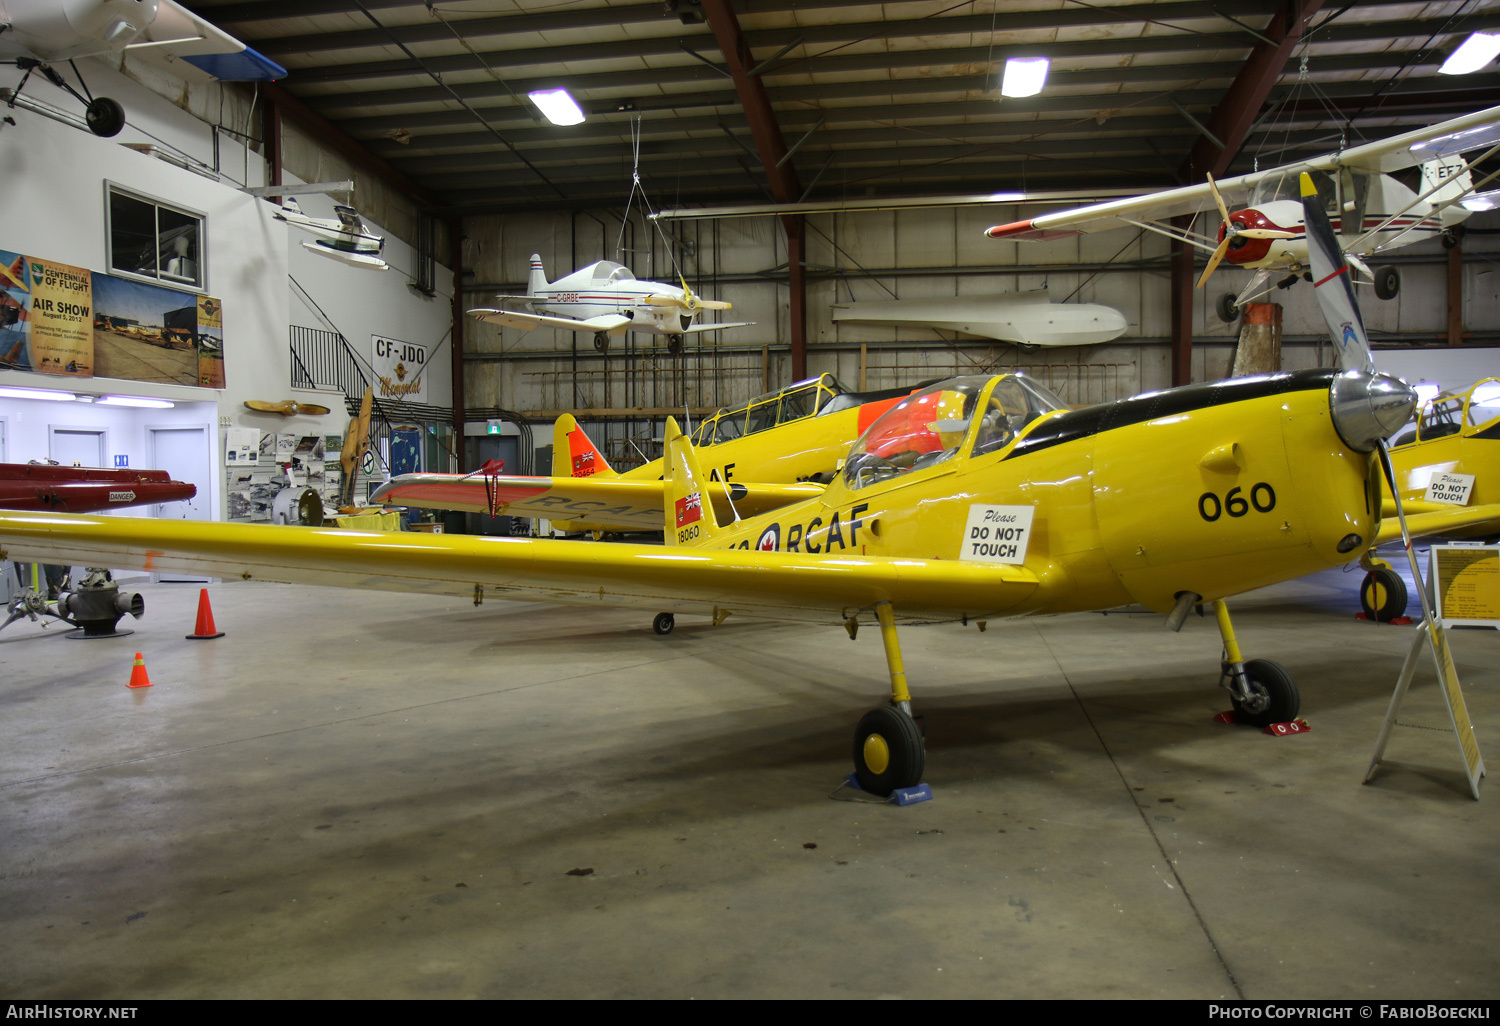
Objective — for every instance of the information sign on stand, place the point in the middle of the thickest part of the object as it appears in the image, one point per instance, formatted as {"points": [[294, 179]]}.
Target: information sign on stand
{"points": [[1465, 582]]}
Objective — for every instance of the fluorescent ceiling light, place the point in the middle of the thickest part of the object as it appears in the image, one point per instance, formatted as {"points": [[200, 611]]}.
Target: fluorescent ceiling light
{"points": [[1476, 52], [1024, 76], [135, 400], [557, 106], [36, 393]]}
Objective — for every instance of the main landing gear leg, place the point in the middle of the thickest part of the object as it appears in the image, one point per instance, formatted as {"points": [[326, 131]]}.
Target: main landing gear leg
{"points": [[887, 744], [1262, 692]]}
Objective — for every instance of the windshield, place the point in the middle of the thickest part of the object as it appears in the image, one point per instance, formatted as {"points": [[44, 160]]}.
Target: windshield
{"points": [[924, 429]]}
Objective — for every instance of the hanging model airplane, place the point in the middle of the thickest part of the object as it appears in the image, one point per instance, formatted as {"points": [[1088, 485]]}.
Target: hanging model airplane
{"points": [[1370, 211], [344, 237], [37, 35], [777, 448], [607, 299], [1027, 319]]}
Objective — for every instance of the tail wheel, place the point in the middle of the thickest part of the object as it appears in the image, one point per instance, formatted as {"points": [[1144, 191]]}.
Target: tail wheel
{"points": [[1387, 282], [663, 623], [1227, 308], [1382, 595], [601, 341], [1275, 696], [887, 751]]}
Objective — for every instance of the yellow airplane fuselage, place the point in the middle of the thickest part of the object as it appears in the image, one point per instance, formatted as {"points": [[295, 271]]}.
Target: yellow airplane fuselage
{"points": [[1456, 435], [1207, 490]]}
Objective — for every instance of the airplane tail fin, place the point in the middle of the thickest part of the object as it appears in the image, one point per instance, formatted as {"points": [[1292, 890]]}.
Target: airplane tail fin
{"points": [[1452, 187], [574, 454], [689, 518], [538, 279]]}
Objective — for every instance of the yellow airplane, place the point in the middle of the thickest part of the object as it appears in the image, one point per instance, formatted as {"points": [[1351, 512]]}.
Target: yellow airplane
{"points": [[777, 448], [971, 499], [1457, 432]]}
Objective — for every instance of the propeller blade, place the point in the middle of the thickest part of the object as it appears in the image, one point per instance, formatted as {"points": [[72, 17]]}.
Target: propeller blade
{"points": [[674, 301], [1219, 202], [1265, 233], [1334, 285], [1213, 261], [692, 304]]}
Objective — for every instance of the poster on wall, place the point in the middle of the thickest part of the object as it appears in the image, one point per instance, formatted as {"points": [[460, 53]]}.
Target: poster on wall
{"points": [[398, 368], [60, 319]]}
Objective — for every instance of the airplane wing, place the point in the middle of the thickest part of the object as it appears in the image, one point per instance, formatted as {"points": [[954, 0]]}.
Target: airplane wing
{"points": [[718, 327], [1457, 135], [744, 582], [1431, 519], [626, 505], [199, 51], [527, 321]]}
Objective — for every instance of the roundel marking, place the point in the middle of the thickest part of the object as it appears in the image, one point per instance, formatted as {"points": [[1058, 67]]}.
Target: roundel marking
{"points": [[770, 539]]}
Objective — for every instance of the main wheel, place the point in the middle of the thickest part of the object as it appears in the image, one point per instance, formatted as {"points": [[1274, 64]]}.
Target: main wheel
{"points": [[887, 751], [663, 623], [104, 116], [1387, 282], [601, 341], [1227, 308], [1382, 595], [1275, 696], [674, 344]]}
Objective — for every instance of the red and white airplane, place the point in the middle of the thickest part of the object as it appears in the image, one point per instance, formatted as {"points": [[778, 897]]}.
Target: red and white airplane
{"points": [[607, 299], [1371, 211]]}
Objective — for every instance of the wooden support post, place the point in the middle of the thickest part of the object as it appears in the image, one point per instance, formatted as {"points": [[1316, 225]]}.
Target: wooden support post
{"points": [[1456, 292], [1259, 351]]}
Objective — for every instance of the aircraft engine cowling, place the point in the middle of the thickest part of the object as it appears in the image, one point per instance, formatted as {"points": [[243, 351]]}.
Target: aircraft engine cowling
{"points": [[1241, 249]]}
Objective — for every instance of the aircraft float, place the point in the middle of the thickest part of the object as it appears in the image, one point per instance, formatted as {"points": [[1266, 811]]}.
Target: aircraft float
{"points": [[35, 35], [1370, 211], [607, 299], [971, 499]]}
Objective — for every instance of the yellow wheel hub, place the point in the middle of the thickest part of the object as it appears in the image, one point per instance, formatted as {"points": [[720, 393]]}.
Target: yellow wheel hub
{"points": [[1377, 595], [877, 754]]}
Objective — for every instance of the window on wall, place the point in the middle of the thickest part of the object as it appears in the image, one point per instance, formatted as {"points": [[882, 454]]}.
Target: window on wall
{"points": [[155, 240]]}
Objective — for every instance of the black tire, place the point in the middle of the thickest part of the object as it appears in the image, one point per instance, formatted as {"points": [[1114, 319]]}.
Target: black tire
{"points": [[105, 117], [1387, 282], [663, 624], [1382, 595], [674, 344], [1227, 309], [889, 736], [1272, 680], [601, 341]]}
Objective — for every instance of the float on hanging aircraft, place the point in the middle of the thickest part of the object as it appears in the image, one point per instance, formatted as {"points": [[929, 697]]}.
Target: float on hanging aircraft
{"points": [[1370, 211], [780, 447], [36, 35], [344, 237], [972, 499], [1027, 319], [607, 299], [1457, 432]]}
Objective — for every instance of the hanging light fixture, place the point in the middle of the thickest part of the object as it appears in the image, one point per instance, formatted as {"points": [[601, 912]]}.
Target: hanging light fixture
{"points": [[557, 106], [1473, 54], [1024, 76]]}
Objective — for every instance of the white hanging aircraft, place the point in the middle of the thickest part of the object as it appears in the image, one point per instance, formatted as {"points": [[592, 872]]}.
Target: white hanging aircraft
{"points": [[1026, 319], [343, 238], [37, 34], [607, 299], [1371, 211]]}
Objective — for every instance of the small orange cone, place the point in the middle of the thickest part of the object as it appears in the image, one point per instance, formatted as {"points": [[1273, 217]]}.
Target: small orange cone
{"points": [[138, 678], [205, 628]]}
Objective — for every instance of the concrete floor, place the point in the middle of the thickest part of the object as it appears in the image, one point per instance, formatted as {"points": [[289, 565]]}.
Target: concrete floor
{"points": [[371, 795]]}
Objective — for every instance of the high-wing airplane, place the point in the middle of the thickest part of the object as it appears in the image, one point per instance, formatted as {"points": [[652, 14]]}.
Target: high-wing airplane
{"points": [[36, 35], [607, 299], [344, 237], [1457, 432], [777, 448], [1371, 211]]}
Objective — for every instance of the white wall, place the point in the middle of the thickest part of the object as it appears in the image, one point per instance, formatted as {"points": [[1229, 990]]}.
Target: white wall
{"points": [[53, 207]]}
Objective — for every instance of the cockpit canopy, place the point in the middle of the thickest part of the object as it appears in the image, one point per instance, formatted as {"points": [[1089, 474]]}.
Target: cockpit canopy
{"points": [[930, 426], [606, 271], [794, 402]]}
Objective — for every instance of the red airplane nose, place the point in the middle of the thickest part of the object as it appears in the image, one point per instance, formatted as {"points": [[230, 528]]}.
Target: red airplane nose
{"points": [[1241, 249]]}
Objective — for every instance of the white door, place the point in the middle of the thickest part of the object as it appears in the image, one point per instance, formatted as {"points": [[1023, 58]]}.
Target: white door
{"points": [[183, 453], [81, 446]]}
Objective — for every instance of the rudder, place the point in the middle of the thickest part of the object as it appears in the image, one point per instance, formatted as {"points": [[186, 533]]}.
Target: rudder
{"points": [[538, 279], [689, 519], [574, 454]]}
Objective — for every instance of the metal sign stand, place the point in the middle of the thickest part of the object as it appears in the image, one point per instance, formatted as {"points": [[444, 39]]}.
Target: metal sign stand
{"points": [[1431, 633]]}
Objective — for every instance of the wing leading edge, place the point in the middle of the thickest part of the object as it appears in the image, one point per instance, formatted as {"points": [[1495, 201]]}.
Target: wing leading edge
{"points": [[770, 585]]}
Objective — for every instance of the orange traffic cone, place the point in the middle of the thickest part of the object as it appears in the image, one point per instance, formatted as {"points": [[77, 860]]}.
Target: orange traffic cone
{"points": [[205, 629], [138, 678]]}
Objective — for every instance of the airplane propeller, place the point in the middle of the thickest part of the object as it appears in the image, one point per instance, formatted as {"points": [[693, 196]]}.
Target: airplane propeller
{"points": [[688, 301], [1233, 231], [1367, 405]]}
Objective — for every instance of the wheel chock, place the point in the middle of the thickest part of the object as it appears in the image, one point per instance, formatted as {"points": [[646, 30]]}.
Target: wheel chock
{"points": [[1398, 621], [900, 796]]}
